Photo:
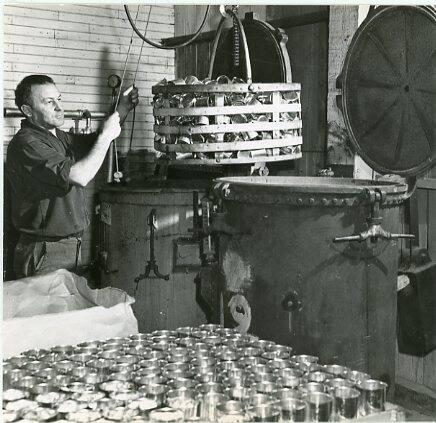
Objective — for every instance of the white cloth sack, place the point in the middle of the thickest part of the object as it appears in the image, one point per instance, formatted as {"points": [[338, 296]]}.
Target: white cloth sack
{"points": [[59, 308]]}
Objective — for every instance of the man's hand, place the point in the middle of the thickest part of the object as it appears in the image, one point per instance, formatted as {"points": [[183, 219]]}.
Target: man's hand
{"points": [[128, 100], [111, 128]]}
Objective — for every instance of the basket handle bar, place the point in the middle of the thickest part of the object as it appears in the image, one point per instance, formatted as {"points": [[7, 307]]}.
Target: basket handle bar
{"points": [[244, 44]]}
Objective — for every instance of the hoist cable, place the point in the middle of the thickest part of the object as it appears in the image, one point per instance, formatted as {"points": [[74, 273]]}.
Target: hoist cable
{"points": [[134, 77], [119, 93], [161, 46], [142, 45]]}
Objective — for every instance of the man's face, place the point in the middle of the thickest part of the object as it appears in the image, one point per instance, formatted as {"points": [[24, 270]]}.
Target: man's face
{"points": [[45, 108]]}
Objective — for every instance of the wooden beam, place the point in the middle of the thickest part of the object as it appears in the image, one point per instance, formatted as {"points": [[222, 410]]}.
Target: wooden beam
{"points": [[284, 23], [429, 183]]}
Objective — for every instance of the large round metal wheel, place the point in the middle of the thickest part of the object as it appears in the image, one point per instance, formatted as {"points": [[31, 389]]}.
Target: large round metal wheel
{"points": [[389, 89]]}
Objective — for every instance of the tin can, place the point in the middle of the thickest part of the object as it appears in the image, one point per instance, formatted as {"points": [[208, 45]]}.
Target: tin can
{"points": [[70, 406], [35, 354], [166, 415], [9, 416], [14, 375], [126, 376], [62, 380], [332, 384], [336, 370], [13, 394], [264, 345], [203, 361], [186, 341], [312, 387], [191, 80], [184, 399], [125, 397], [62, 349], [184, 331], [39, 414], [356, 376], [264, 413], [373, 396], [115, 385], [206, 377], [42, 388], [278, 363], [318, 377], [102, 365], [84, 350], [208, 405], [179, 358], [182, 383], [110, 354], [21, 405], [153, 379], [233, 381], [146, 405], [285, 393], [105, 404], [251, 361], [266, 388], [64, 367], [77, 387], [50, 399], [27, 382], [231, 411], [34, 365], [346, 402], [293, 410], [154, 392], [178, 81], [205, 388], [261, 377], [123, 367], [176, 366], [94, 344], [120, 413], [84, 416], [144, 371], [94, 378], [240, 393], [46, 373], [320, 406], [81, 358], [139, 337]]}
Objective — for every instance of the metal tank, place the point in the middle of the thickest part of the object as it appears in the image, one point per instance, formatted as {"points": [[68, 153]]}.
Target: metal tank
{"points": [[312, 262], [285, 274]]}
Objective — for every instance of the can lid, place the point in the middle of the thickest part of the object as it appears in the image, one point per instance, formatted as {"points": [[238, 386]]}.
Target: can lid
{"points": [[388, 89]]}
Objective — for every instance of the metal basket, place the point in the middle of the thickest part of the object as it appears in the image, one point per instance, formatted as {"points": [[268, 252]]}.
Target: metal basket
{"points": [[225, 122]]}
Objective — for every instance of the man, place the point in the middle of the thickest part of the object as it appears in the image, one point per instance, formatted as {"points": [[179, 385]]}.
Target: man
{"points": [[47, 170]]}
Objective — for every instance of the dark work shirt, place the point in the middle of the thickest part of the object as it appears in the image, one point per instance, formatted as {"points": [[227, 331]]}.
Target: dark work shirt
{"points": [[44, 204]]}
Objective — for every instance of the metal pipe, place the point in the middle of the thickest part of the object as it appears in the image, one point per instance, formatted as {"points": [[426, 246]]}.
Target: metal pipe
{"points": [[11, 112]]}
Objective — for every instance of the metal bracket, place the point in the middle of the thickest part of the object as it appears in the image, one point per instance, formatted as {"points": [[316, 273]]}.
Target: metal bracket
{"points": [[152, 265]]}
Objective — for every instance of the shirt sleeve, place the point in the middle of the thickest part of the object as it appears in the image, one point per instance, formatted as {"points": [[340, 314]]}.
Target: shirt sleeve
{"points": [[46, 165]]}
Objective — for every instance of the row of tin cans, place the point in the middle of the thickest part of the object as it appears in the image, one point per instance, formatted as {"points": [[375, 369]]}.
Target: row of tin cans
{"points": [[208, 373], [240, 154]]}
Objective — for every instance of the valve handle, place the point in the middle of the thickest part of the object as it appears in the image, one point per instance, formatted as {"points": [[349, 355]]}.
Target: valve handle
{"points": [[374, 232]]}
